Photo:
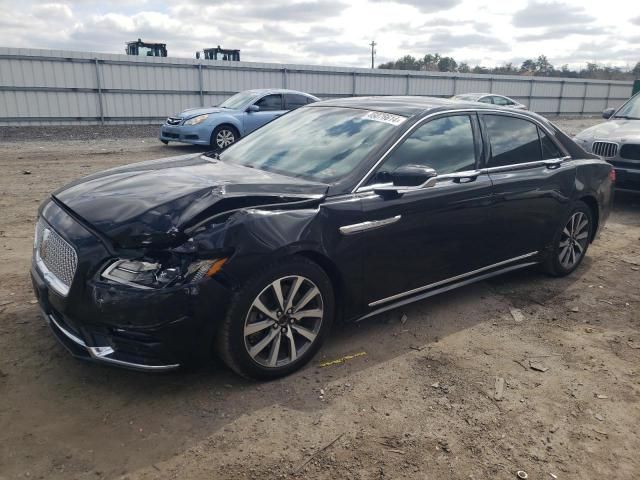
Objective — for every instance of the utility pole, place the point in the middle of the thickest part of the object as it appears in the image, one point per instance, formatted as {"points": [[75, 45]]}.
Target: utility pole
{"points": [[373, 52]]}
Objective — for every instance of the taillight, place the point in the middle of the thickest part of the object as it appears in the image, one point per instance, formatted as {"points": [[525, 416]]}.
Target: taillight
{"points": [[612, 175]]}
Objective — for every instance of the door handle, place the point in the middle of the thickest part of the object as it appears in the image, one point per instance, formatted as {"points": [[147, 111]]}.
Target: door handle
{"points": [[461, 177], [554, 162]]}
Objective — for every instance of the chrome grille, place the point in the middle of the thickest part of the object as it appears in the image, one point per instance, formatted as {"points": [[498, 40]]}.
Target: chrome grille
{"points": [[56, 259], [174, 121], [605, 149]]}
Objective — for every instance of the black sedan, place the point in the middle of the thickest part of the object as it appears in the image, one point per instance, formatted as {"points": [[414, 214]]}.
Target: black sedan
{"points": [[338, 210]]}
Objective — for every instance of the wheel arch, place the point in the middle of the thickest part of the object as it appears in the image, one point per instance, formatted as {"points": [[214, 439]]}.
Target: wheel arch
{"points": [[335, 276]]}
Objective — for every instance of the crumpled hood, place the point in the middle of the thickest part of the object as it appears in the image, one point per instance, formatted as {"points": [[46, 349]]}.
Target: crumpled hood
{"points": [[194, 112], [617, 129], [153, 202]]}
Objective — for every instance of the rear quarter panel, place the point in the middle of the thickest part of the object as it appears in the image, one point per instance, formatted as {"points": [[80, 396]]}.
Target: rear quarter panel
{"points": [[593, 180]]}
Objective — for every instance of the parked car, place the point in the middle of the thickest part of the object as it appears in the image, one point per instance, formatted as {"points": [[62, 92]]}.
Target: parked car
{"points": [[341, 209], [618, 141], [234, 118], [491, 98]]}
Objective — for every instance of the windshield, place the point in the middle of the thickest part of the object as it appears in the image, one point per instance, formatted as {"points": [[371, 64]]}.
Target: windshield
{"points": [[239, 100], [322, 144], [631, 109]]}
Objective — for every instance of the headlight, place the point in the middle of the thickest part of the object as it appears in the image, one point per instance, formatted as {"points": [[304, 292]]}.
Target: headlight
{"points": [[197, 120], [148, 275]]}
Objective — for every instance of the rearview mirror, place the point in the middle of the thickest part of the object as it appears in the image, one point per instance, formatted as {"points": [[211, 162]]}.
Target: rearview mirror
{"points": [[608, 112], [409, 178], [253, 108], [412, 175]]}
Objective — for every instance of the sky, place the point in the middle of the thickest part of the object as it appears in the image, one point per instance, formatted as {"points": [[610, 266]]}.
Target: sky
{"points": [[337, 32]]}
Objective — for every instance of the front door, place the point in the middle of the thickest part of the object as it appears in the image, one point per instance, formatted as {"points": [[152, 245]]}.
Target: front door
{"points": [[270, 107], [433, 234]]}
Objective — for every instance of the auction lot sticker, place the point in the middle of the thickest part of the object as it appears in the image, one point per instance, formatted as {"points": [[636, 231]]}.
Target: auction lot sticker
{"points": [[385, 118]]}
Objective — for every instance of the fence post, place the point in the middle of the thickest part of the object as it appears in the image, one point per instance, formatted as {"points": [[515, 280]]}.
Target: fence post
{"points": [[353, 89], [200, 82], [530, 93], [284, 78], [407, 89], [584, 97], [455, 85], [99, 85], [560, 98], [606, 102], [491, 85]]}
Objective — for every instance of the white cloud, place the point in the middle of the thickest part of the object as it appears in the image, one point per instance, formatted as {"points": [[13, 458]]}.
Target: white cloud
{"points": [[332, 32]]}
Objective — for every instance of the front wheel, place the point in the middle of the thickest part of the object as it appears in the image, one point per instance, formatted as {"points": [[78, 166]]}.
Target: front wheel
{"points": [[278, 320], [223, 136], [571, 241]]}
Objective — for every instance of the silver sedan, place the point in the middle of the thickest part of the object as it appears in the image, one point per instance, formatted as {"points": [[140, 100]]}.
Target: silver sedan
{"points": [[491, 98]]}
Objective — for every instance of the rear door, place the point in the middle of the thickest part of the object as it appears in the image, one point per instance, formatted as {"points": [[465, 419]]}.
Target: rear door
{"points": [[532, 185], [294, 100]]}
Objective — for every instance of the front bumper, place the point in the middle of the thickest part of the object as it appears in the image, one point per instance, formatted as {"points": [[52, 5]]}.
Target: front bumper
{"points": [[104, 322], [192, 134], [627, 178]]}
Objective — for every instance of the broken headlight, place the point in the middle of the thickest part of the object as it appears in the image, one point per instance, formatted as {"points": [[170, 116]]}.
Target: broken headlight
{"points": [[149, 275]]}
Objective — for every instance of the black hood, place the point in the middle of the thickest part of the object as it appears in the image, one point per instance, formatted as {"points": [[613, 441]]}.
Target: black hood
{"points": [[151, 203]]}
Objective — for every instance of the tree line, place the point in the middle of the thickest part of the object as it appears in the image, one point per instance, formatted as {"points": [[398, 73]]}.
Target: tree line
{"points": [[532, 67]]}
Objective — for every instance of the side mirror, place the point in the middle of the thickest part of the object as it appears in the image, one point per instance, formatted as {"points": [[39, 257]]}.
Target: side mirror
{"points": [[608, 112], [409, 178], [253, 108]]}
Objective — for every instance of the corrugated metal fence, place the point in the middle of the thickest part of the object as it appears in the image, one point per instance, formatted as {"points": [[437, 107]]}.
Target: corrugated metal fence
{"points": [[43, 87]]}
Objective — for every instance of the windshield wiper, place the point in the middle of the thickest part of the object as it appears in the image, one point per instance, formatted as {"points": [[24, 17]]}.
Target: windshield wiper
{"points": [[626, 117]]}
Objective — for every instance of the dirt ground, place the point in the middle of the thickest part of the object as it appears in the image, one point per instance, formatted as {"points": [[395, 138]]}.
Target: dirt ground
{"points": [[420, 403]]}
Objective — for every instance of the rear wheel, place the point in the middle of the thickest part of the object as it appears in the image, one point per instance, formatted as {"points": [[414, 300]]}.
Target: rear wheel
{"points": [[223, 136], [166, 142], [571, 241], [278, 321]]}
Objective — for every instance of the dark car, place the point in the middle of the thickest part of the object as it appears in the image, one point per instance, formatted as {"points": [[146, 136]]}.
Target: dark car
{"points": [[341, 209], [618, 141]]}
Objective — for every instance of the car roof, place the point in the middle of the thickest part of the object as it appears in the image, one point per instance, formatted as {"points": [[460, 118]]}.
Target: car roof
{"points": [[277, 90], [407, 106]]}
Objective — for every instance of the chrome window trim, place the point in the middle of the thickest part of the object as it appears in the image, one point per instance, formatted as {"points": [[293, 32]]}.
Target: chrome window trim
{"points": [[452, 279], [368, 225], [423, 120]]}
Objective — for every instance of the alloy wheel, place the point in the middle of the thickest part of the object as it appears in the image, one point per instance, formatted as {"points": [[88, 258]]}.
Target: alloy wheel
{"points": [[224, 138], [283, 321], [574, 240]]}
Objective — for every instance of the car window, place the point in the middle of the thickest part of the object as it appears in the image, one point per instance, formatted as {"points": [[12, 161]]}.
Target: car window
{"points": [[549, 149], [630, 110], [485, 100], [270, 103], [329, 142], [445, 144], [513, 140], [293, 101], [311, 100], [501, 101]]}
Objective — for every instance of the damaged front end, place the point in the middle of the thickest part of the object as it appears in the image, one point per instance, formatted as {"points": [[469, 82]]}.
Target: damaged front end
{"points": [[149, 285]]}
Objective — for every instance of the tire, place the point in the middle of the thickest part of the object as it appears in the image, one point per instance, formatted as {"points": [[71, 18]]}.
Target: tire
{"points": [[571, 241], [166, 142], [255, 339], [223, 136]]}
